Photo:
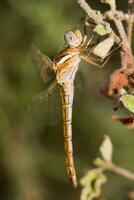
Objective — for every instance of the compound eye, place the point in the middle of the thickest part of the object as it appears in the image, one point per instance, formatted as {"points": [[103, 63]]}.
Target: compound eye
{"points": [[70, 38], [78, 36]]}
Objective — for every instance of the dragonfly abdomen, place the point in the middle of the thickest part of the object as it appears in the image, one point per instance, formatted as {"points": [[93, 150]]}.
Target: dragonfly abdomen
{"points": [[69, 152], [67, 101]]}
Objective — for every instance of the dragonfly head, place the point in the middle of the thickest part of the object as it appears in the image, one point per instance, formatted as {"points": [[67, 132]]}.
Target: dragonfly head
{"points": [[73, 38]]}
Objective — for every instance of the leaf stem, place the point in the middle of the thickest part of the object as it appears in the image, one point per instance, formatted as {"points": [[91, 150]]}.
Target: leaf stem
{"points": [[119, 170]]}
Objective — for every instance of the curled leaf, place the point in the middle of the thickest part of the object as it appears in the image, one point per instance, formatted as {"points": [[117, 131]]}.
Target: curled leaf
{"points": [[106, 149], [128, 102], [103, 48], [92, 183]]}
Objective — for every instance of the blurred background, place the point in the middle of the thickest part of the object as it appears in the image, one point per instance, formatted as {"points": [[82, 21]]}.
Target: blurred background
{"points": [[32, 161]]}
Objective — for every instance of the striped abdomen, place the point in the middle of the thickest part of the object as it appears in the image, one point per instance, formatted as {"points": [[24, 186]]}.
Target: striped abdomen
{"points": [[67, 93]]}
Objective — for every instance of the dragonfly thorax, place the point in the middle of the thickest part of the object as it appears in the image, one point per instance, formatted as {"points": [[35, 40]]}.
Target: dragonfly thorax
{"points": [[66, 64]]}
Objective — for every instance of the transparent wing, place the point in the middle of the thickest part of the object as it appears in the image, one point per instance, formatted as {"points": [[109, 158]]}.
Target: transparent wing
{"points": [[44, 64], [80, 90], [80, 85], [46, 106]]}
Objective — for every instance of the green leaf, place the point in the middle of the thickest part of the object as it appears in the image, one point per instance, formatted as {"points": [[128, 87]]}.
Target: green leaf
{"points": [[92, 183], [128, 102], [102, 30], [106, 149]]}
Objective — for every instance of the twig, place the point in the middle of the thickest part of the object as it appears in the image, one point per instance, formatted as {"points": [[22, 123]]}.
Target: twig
{"points": [[123, 16], [90, 12], [126, 54], [129, 30], [119, 170], [120, 28], [96, 16], [130, 21]]}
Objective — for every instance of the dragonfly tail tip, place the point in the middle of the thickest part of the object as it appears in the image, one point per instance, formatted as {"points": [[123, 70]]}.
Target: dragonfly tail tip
{"points": [[75, 184]]}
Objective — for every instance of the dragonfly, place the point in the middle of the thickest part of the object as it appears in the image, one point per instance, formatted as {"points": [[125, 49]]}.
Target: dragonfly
{"points": [[62, 72]]}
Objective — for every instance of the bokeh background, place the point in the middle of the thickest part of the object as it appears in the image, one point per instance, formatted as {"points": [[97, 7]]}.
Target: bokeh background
{"points": [[32, 162]]}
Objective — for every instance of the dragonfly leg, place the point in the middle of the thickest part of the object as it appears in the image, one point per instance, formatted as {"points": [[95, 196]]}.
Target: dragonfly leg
{"points": [[98, 61], [91, 59], [114, 49], [85, 34]]}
